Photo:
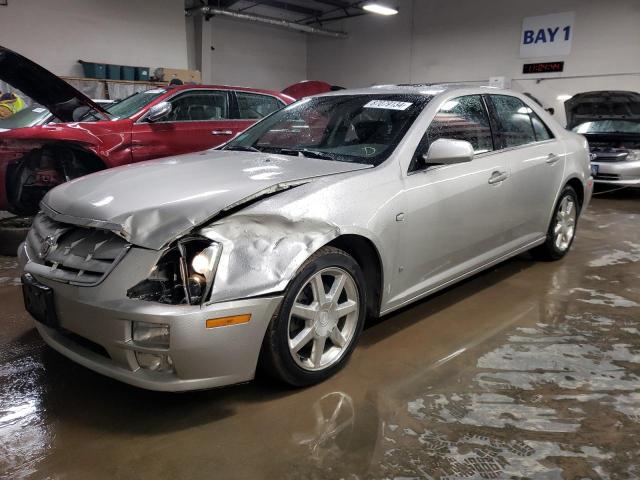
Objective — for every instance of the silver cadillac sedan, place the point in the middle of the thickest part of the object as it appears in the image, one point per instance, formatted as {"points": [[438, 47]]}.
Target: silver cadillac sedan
{"points": [[270, 252]]}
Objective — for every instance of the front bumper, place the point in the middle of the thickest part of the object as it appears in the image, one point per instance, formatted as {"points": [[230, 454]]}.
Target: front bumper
{"points": [[95, 330], [618, 173]]}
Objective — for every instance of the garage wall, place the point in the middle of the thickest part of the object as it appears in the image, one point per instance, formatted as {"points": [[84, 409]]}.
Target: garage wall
{"points": [[464, 41], [56, 33], [248, 54]]}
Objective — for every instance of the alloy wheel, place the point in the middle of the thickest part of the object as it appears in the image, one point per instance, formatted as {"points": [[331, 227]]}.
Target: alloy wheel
{"points": [[323, 319], [565, 226]]}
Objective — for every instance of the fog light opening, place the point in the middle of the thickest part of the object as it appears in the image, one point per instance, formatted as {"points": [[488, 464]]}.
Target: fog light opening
{"points": [[151, 334], [155, 362]]}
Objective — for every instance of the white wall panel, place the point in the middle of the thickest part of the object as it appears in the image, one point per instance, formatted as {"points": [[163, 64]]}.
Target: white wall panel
{"points": [[56, 33]]}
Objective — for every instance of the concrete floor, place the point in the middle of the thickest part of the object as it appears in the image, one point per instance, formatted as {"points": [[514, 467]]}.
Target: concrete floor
{"points": [[527, 370]]}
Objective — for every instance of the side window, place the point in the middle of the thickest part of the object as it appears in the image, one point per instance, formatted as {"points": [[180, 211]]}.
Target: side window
{"points": [[511, 122], [540, 129], [463, 118], [199, 105], [254, 105]]}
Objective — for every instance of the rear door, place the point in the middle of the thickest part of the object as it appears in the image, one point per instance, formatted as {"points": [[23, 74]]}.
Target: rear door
{"points": [[199, 120], [536, 161], [249, 107]]}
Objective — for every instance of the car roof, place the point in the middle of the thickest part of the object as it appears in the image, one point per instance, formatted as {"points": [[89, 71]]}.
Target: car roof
{"points": [[174, 88], [430, 89]]}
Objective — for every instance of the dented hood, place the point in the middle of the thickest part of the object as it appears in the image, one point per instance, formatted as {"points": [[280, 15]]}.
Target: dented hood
{"points": [[43, 87], [152, 203], [602, 105]]}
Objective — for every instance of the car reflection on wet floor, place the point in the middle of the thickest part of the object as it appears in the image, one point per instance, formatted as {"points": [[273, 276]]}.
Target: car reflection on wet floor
{"points": [[529, 370]]}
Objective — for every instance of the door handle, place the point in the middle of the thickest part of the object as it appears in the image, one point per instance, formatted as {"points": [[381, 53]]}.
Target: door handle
{"points": [[221, 132], [497, 177], [552, 158]]}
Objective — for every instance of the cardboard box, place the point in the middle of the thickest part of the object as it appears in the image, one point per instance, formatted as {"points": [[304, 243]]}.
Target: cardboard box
{"points": [[187, 76]]}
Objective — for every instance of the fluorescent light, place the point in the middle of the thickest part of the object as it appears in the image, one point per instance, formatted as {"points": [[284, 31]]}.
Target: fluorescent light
{"points": [[379, 9]]}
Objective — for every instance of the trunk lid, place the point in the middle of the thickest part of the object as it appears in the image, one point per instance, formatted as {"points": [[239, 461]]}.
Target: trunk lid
{"points": [[43, 87]]}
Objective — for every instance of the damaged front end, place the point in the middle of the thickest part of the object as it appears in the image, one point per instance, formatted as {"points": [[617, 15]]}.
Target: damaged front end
{"points": [[33, 167], [183, 275]]}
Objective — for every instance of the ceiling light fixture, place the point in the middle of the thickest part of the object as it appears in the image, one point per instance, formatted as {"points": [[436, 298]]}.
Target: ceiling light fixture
{"points": [[380, 9]]}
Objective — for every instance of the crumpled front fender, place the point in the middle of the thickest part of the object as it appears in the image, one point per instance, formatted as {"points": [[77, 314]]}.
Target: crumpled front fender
{"points": [[261, 253]]}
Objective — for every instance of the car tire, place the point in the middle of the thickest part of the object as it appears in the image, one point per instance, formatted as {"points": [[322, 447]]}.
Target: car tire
{"points": [[304, 350], [562, 228], [13, 232]]}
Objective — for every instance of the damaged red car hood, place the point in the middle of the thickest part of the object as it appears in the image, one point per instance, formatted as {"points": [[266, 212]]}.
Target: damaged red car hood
{"points": [[43, 87], [152, 203]]}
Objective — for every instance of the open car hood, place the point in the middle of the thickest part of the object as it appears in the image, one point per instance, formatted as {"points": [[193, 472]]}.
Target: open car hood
{"points": [[602, 105], [43, 87], [152, 203]]}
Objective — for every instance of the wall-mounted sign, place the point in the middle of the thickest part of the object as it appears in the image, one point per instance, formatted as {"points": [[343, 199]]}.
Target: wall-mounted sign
{"points": [[546, 67], [547, 35]]}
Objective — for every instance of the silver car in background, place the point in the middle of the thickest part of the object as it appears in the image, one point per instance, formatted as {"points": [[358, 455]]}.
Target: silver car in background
{"points": [[191, 272], [610, 121]]}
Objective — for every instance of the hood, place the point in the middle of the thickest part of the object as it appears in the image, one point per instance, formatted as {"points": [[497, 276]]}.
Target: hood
{"points": [[602, 105], [152, 203], [42, 86]]}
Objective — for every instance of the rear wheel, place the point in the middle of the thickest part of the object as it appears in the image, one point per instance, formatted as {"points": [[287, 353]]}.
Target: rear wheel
{"points": [[562, 229], [318, 324]]}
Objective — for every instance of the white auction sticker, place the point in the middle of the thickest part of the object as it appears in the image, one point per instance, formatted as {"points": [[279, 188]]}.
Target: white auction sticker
{"points": [[388, 105]]}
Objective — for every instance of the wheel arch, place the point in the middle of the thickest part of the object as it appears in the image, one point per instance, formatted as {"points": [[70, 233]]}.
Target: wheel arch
{"points": [[576, 184], [45, 154], [365, 253]]}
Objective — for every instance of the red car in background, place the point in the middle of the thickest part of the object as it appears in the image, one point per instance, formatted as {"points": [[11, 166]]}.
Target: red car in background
{"points": [[151, 124]]}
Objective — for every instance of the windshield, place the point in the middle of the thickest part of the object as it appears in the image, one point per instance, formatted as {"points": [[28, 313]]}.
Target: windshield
{"points": [[27, 117], [608, 126], [347, 128], [132, 104]]}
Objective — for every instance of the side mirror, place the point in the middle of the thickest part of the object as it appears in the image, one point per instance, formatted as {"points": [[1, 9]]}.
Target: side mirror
{"points": [[445, 151], [551, 110], [158, 111]]}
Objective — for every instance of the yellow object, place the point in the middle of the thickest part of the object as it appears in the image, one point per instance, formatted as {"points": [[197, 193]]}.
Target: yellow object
{"points": [[227, 321], [11, 106]]}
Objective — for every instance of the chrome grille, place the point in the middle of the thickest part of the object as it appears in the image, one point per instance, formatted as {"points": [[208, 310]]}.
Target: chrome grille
{"points": [[70, 253], [609, 155], [607, 176]]}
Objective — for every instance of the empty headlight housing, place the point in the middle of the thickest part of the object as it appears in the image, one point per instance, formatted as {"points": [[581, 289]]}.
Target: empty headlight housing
{"points": [[183, 275]]}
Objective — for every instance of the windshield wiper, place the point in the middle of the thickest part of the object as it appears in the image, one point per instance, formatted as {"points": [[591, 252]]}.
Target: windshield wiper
{"points": [[307, 153], [241, 148]]}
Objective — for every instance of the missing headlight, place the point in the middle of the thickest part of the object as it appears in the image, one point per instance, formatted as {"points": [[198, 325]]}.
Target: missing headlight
{"points": [[183, 275]]}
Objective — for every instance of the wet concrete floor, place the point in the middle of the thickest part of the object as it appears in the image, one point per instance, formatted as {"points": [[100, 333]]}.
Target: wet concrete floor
{"points": [[529, 370]]}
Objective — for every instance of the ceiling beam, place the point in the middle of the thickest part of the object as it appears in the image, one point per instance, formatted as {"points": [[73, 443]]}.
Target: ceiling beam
{"points": [[290, 7], [338, 3], [221, 3]]}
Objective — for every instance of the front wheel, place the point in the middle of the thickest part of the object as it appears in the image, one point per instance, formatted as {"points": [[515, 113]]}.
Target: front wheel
{"points": [[562, 229], [318, 324]]}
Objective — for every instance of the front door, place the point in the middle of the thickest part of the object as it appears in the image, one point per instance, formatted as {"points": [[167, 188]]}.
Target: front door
{"points": [[199, 120]]}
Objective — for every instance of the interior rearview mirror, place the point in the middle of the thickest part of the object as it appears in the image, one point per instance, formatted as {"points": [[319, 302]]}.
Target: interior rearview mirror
{"points": [[446, 151], [159, 111]]}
